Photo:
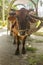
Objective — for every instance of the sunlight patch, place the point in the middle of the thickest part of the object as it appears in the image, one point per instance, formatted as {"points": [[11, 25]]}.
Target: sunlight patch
{"points": [[4, 33]]}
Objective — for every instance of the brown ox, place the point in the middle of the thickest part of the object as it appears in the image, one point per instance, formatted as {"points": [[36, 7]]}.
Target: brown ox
{"points": [[22, 26]]}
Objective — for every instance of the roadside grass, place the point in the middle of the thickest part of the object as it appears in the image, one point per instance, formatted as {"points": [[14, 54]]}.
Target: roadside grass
{"points": [[39, 41], [29, 39], [31, 49], [34, 59], [39, 33]]}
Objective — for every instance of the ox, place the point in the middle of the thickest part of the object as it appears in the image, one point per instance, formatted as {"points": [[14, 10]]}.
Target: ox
{"points": [[22, 26]]}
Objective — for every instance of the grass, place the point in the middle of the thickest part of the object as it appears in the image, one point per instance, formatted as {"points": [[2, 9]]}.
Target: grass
{"points": [[34, 59], [39, 41], [39, 33], [34, 40], [31, 49]]}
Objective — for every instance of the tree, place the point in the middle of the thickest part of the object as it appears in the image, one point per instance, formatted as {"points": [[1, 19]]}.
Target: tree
{"points": [[35, 3], [10, 5], [9, 8], [3, 10], [0, 9]]}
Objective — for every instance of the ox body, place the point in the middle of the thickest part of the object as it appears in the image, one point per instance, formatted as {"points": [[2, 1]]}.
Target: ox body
{"points": [[22, 25]]}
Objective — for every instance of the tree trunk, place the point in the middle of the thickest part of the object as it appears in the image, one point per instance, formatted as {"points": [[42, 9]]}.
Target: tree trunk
{"points": [[35, 5], [3, 10]]}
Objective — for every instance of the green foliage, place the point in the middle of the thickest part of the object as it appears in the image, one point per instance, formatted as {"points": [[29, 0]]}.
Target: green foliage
{"points": [[0, 23], [14, 7], [35, 59], [33, 50], [39, 33], [32, 61], [31, 4], [39, 41], [0, 2], [38, 24], [41, 57], [35, 1], [3, 23]]}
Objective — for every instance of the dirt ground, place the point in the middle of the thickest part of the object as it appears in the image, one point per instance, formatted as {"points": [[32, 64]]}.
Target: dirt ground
{"points": [[7, 49]]}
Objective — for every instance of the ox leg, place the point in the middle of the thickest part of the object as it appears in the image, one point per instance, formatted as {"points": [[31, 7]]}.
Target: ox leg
{"points": [[15, 38], [10, 33], [14, 41], [23, 48], [18, 43]]}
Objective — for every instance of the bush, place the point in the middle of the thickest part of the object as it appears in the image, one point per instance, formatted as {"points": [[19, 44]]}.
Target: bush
{"points": [[3, 23]]}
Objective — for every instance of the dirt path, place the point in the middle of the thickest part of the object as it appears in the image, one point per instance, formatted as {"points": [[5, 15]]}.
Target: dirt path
{"points": [[37, 42], [7, 50]]}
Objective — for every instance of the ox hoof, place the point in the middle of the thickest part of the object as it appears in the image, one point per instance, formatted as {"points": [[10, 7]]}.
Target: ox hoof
{"points": [[14, 43], [17, 52], [23, 51]]}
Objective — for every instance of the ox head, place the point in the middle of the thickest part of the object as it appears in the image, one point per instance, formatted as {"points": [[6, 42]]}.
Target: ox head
{"points": [[21, 15]]}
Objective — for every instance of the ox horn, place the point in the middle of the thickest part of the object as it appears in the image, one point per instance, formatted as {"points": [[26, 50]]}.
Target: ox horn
{"points": [[36, 17]]}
